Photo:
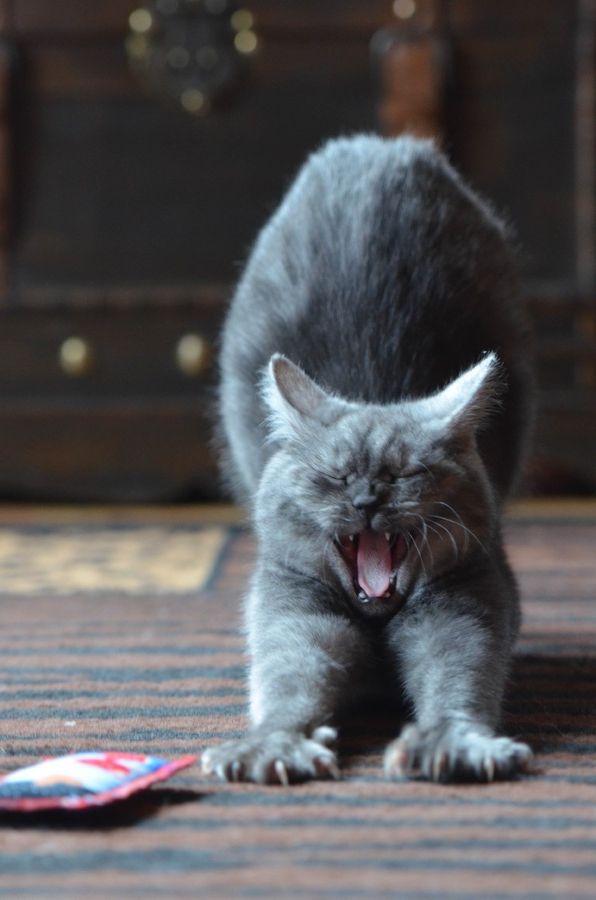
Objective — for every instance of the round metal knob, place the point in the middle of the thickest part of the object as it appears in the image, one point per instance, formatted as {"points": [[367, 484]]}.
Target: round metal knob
{"points": [[193, 355], [404, 9], [76, 357]]}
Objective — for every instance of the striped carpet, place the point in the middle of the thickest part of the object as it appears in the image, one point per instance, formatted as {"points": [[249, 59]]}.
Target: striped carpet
{"points": [[161, 671]]}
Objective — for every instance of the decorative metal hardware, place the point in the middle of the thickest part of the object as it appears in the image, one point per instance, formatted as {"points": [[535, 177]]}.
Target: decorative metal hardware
{"points": [[76, 357], [193, 355], [191, 52]]}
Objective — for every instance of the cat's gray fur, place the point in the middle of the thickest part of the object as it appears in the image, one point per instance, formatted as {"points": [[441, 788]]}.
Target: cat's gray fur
{"points": [[379, 280]]}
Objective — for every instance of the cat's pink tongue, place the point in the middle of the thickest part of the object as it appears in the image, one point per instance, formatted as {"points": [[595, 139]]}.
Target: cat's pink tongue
{"points": [[374, 563]]}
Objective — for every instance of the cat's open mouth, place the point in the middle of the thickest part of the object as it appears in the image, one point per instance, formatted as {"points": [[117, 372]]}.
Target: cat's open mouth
{"points": [[373, 558]]}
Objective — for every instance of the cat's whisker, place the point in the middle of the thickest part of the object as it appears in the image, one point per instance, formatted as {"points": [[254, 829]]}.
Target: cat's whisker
{"points": [[424, 466], [461, 525], [325, 561], [437, 533], [434, 530], [450, 536], [425, 538], [458, 521], [416, 547], [451, 509]]}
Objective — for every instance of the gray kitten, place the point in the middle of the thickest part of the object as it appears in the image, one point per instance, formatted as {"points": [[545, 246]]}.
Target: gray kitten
{"points": [[375, 398]]}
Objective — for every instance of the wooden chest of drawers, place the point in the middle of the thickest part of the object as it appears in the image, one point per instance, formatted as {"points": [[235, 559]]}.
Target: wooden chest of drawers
{"points": [[135, 173]]}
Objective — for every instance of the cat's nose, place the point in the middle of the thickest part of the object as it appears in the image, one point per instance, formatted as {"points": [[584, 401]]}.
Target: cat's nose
{"points": [[365, 499]]}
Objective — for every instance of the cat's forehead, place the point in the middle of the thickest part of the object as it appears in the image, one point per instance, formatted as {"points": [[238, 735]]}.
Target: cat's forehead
{"points": [[371, 435]]}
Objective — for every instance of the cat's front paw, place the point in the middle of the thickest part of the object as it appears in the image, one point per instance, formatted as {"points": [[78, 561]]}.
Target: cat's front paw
{"points": [[278, 757], [455, 752]]}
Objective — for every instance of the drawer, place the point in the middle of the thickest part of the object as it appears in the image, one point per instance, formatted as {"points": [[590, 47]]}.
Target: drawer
{"points": [[92, 355], [109, 405], [143, 450]]}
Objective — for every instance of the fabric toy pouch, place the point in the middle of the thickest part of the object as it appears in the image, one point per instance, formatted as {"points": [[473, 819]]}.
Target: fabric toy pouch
{"points": [[84, 780]]}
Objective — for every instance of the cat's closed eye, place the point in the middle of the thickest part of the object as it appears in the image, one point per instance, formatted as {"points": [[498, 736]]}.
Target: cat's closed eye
{"points": [[391, 476], [342, 477], [413, 472]]}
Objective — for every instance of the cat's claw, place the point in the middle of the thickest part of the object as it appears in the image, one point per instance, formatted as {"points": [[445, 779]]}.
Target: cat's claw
{"points": [[235, 771], [440, 766], [326, 735], [278, 757], [489, 768], [455, 752], [327, 767], [281, 772]]}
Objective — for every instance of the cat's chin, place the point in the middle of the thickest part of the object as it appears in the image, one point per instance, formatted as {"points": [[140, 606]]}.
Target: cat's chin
{"points": [[373, 560], [380, 607]]}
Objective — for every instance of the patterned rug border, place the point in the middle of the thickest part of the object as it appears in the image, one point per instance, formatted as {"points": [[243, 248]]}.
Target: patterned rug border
{"points": [[132, 558]]}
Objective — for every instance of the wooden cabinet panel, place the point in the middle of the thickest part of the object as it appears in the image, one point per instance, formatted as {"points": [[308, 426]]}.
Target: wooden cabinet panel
{"points": [[69, 449], [510, 88], [127, 191], [130, 221]]}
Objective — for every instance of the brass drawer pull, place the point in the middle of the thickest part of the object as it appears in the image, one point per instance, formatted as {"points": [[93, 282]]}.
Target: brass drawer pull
{"points": [[193, 355], [76, 357], [404, 9]]}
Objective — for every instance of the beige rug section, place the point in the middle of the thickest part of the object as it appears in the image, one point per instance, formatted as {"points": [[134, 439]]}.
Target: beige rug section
{"points": [[134, 559]]}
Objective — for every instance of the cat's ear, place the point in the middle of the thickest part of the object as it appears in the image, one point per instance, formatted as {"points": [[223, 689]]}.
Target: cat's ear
{"points": [[296, 402], [463, 405]]}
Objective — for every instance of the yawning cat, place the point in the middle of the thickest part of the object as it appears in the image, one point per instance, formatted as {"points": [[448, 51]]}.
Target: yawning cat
{"points": [[375, 400]]}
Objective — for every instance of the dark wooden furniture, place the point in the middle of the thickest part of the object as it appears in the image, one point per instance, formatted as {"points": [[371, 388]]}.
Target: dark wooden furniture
{"points": [[511, 90], [139, 156]]}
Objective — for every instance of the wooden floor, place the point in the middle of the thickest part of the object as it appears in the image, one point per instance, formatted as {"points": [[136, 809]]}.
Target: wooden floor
{"points": [[162, 671]]}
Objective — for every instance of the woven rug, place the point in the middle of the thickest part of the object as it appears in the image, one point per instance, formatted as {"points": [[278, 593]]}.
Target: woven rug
{"points": [[154, 662]]}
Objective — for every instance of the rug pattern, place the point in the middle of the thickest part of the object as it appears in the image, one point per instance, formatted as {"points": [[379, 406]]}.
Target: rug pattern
{"points": [[138, 559], [163, 672]]}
